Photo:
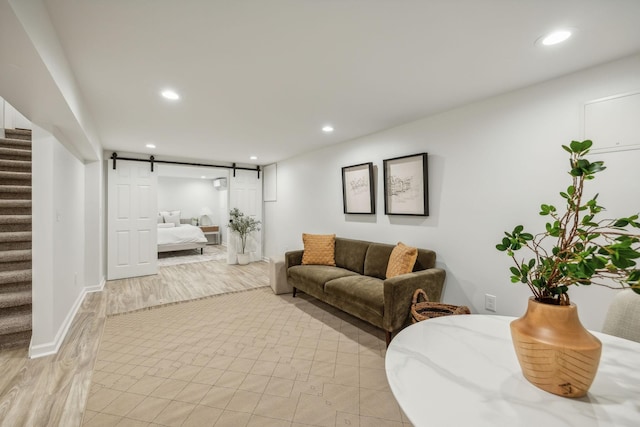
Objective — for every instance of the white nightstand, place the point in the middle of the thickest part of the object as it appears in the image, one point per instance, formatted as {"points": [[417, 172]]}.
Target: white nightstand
{"points": [[212, 233]]}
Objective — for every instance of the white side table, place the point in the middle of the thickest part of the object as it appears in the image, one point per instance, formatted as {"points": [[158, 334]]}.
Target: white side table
{"points": [[212, 233], [278, 276]]}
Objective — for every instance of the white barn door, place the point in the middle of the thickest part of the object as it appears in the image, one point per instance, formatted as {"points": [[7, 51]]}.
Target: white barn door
{"points": [[132, 223], [245, 193]]}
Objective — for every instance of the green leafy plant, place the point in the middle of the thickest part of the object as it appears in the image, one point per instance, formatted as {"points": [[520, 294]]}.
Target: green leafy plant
{"points": [[585, 250], [243, 225]]}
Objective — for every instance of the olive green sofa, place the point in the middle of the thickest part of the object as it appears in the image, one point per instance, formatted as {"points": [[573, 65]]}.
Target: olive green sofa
{"points": [[358, 286]]}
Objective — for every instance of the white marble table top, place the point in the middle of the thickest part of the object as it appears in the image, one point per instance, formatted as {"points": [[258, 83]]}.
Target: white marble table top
{"points": [[463, 371]]}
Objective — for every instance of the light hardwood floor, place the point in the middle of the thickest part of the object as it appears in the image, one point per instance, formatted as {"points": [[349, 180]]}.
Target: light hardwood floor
{"points": [[52, 391]]}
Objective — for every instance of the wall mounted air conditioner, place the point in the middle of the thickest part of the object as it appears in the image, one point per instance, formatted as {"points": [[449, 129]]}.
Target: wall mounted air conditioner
{"points": [[220, 183]]}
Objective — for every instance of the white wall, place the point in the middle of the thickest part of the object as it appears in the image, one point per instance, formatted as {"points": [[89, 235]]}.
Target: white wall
{"points": [[94, 210], [43, 222], [10, 118], [58, 241], [222, 200], [491, 165], [189, 196], [80, 134]]}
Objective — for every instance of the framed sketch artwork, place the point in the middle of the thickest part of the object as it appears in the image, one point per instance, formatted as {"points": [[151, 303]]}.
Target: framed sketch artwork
{"points": [[405, 185], [357, 189]]}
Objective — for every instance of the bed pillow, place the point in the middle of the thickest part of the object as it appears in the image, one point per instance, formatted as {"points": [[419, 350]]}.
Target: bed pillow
{"points": [[319, 249], [166, 225], [172, 217], [166, 213], [402, 260]]}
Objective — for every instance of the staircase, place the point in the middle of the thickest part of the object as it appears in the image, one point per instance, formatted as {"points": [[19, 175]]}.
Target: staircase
{"points": [[15, 238]]}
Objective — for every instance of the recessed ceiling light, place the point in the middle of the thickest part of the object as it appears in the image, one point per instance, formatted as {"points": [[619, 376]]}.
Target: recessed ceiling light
{"points": [[169, 94], [150, 146], [254, 157], [555, 37], [327, 129], [203, 177]]}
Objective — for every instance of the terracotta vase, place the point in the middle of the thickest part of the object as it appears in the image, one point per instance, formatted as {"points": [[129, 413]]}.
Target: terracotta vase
{"points": [[556, 353]]}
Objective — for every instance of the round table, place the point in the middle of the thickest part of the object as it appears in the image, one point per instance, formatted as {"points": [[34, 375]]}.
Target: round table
{"points": [[463, 371]]}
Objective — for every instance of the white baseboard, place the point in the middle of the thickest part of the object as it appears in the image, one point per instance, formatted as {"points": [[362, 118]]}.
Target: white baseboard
{"points": [[50, 348], [96, 288]]}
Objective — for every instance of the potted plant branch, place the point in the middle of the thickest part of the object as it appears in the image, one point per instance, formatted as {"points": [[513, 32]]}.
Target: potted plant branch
{"points": [[586, 250], [243, 225], [576, 249]]}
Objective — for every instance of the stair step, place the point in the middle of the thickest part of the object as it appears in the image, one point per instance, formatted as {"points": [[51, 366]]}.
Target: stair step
{"points": [[15, 192], [16, 276], [16, 297], [15, 143], [18, 134], [15, 176], [17, 340], [14, 153], [15, 165], [15, 265], [15, 262], [15, 219], [15, 189], [15, 196], [16, 226], [8, 203], [15, 246], [15, 255], [15, 207], [15, 319], [15, 236]]}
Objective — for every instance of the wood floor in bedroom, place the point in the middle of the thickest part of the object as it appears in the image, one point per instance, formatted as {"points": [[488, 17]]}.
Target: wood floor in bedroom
{"points": [[52, 390], [183, 282]]}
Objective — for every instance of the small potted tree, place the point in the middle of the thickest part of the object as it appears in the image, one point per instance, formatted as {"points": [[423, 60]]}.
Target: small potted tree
{"points": [[576, 249], [243, 225]]}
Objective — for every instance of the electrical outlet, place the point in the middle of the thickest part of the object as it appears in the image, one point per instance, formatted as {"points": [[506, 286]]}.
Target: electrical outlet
{"points": [[490, 302]]}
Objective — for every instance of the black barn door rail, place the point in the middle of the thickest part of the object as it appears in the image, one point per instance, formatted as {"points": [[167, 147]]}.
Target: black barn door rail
{"points": [[153, 160]]}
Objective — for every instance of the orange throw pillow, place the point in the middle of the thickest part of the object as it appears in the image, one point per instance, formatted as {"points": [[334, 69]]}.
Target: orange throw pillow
{"points": [[319, 249], [401, 261]]}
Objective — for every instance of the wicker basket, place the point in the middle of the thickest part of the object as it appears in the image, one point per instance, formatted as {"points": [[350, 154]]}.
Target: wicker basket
{"points": [[422, 310]]}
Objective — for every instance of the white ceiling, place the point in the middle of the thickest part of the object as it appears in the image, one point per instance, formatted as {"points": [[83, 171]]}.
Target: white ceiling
{"points": [[261, 77]]}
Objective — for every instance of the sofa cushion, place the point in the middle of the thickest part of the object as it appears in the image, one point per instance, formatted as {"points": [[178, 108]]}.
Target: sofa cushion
{"points": [[316, 275], [375, 263], [401, 260], [319, 249], [350, 254], [363, 292]]}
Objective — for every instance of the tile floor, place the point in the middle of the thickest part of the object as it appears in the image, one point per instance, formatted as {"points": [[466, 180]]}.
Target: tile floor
{"points": [[245, 359]]}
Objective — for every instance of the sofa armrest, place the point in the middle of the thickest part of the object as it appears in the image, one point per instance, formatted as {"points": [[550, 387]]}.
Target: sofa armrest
{"points": [[399, 290], [292, 258]]}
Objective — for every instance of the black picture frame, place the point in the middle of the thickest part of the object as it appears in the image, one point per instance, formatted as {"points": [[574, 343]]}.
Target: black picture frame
{"points": [[358, 195], [406, 185]]}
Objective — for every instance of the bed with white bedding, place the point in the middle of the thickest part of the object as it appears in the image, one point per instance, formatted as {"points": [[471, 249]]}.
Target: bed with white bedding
{"points": [[180, 237]]}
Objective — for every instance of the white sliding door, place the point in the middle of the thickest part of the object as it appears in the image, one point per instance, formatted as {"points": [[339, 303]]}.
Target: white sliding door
{"points": [[132, 223], [245, 193]]}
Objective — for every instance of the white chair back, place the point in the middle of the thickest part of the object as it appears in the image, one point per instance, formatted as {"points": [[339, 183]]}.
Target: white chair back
{"points": [[623, 316]]}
